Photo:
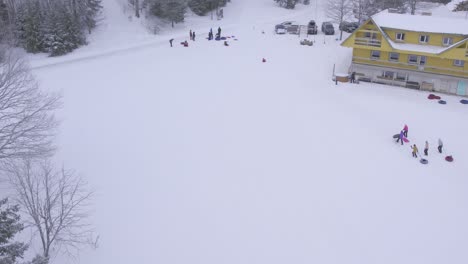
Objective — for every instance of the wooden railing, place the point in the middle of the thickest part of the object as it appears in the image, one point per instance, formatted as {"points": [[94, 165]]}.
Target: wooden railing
{"points": [[414, 67], [368, 42]]}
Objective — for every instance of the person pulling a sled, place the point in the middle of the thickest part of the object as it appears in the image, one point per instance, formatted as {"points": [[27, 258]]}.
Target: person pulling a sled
{"points": [[415, 151], [400, 137]]}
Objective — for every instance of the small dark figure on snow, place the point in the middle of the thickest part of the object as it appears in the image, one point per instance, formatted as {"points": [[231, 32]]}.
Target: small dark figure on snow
{"points": [[211, 33], [170, 42], [353, 77], [193, 36], [400, 138], [415, 151], [219, 31], [441, 145], [426, 148], [226, 43], [405, 130]]}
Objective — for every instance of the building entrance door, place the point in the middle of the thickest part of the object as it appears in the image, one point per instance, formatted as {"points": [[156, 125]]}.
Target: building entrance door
{"points": [[461, 90]]}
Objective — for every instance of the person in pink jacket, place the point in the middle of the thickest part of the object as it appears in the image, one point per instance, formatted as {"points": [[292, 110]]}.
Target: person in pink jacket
{"points": [[405, 131]]}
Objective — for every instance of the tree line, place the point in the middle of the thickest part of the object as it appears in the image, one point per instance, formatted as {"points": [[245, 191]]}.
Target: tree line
{"points": [[364, 8], [56, 27], [175, 10]]}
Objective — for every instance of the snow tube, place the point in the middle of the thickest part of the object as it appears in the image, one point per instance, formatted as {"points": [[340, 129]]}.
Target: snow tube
{"points": [[464, 101], [442, 102], [449, 158], [396, 136], [406, 140], [223, 38], [424, 161], [433, 97]]}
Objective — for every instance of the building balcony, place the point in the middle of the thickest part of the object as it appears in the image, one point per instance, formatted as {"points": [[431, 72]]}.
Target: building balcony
{"points": [[372, 42], [457, 72]]}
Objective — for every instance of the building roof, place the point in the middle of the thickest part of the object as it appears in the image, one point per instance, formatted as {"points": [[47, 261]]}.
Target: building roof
{"points": [[419, 23]]}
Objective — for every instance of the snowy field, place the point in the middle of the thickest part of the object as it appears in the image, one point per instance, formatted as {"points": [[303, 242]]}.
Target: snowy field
{"points": [[207, 155]]}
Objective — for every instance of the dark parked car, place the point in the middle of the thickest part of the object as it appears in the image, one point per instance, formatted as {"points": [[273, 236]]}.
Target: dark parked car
{"points": [[328, 29], [312, 28], [348, 26]]}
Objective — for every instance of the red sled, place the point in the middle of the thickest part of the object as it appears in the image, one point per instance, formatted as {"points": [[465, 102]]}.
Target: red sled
{"points": [[406, 140], [449, 158]]}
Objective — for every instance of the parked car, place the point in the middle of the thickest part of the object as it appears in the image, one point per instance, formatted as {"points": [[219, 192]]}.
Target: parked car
{"points": [[285, 25], [280, 29], [348, 26], [312, 28], [327, 28]]}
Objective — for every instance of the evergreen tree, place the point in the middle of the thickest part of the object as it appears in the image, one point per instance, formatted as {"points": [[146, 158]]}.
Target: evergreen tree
{"points": [[202, 7], [87, 11], [29, 26], [172, 10], [64, 33], [288, 4], [9, 226], [199, 7]]}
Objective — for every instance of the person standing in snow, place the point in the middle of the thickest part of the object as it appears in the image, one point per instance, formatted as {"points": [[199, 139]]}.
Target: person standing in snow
{"points": [[219, 31], [352, 78], [426, 148], [405, 130], [193, 36], [415, 151], [170, 42], [400, 137], [211, 33], [441, 144]]}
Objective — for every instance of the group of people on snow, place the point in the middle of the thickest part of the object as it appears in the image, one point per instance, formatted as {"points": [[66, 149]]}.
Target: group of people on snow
{"points": [[192, 36], [402, 137]]}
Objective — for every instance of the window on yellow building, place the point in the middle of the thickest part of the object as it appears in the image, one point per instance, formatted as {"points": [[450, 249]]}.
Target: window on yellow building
{"points": [[412, 59], [424, 38], [447, 41], [375, 54], [400, 36], [422, 60], [393, 56], [459, 63]]}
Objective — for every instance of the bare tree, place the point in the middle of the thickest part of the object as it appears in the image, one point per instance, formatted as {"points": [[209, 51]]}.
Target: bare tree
{"points": [[27, 122], [56, 203], [338, 10]]}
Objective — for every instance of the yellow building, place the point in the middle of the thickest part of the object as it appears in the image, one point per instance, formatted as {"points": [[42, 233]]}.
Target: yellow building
{"points": [[414, 51]]}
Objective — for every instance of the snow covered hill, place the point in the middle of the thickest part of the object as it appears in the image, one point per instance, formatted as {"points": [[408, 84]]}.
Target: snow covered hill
{"points": [[207, 155]]}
